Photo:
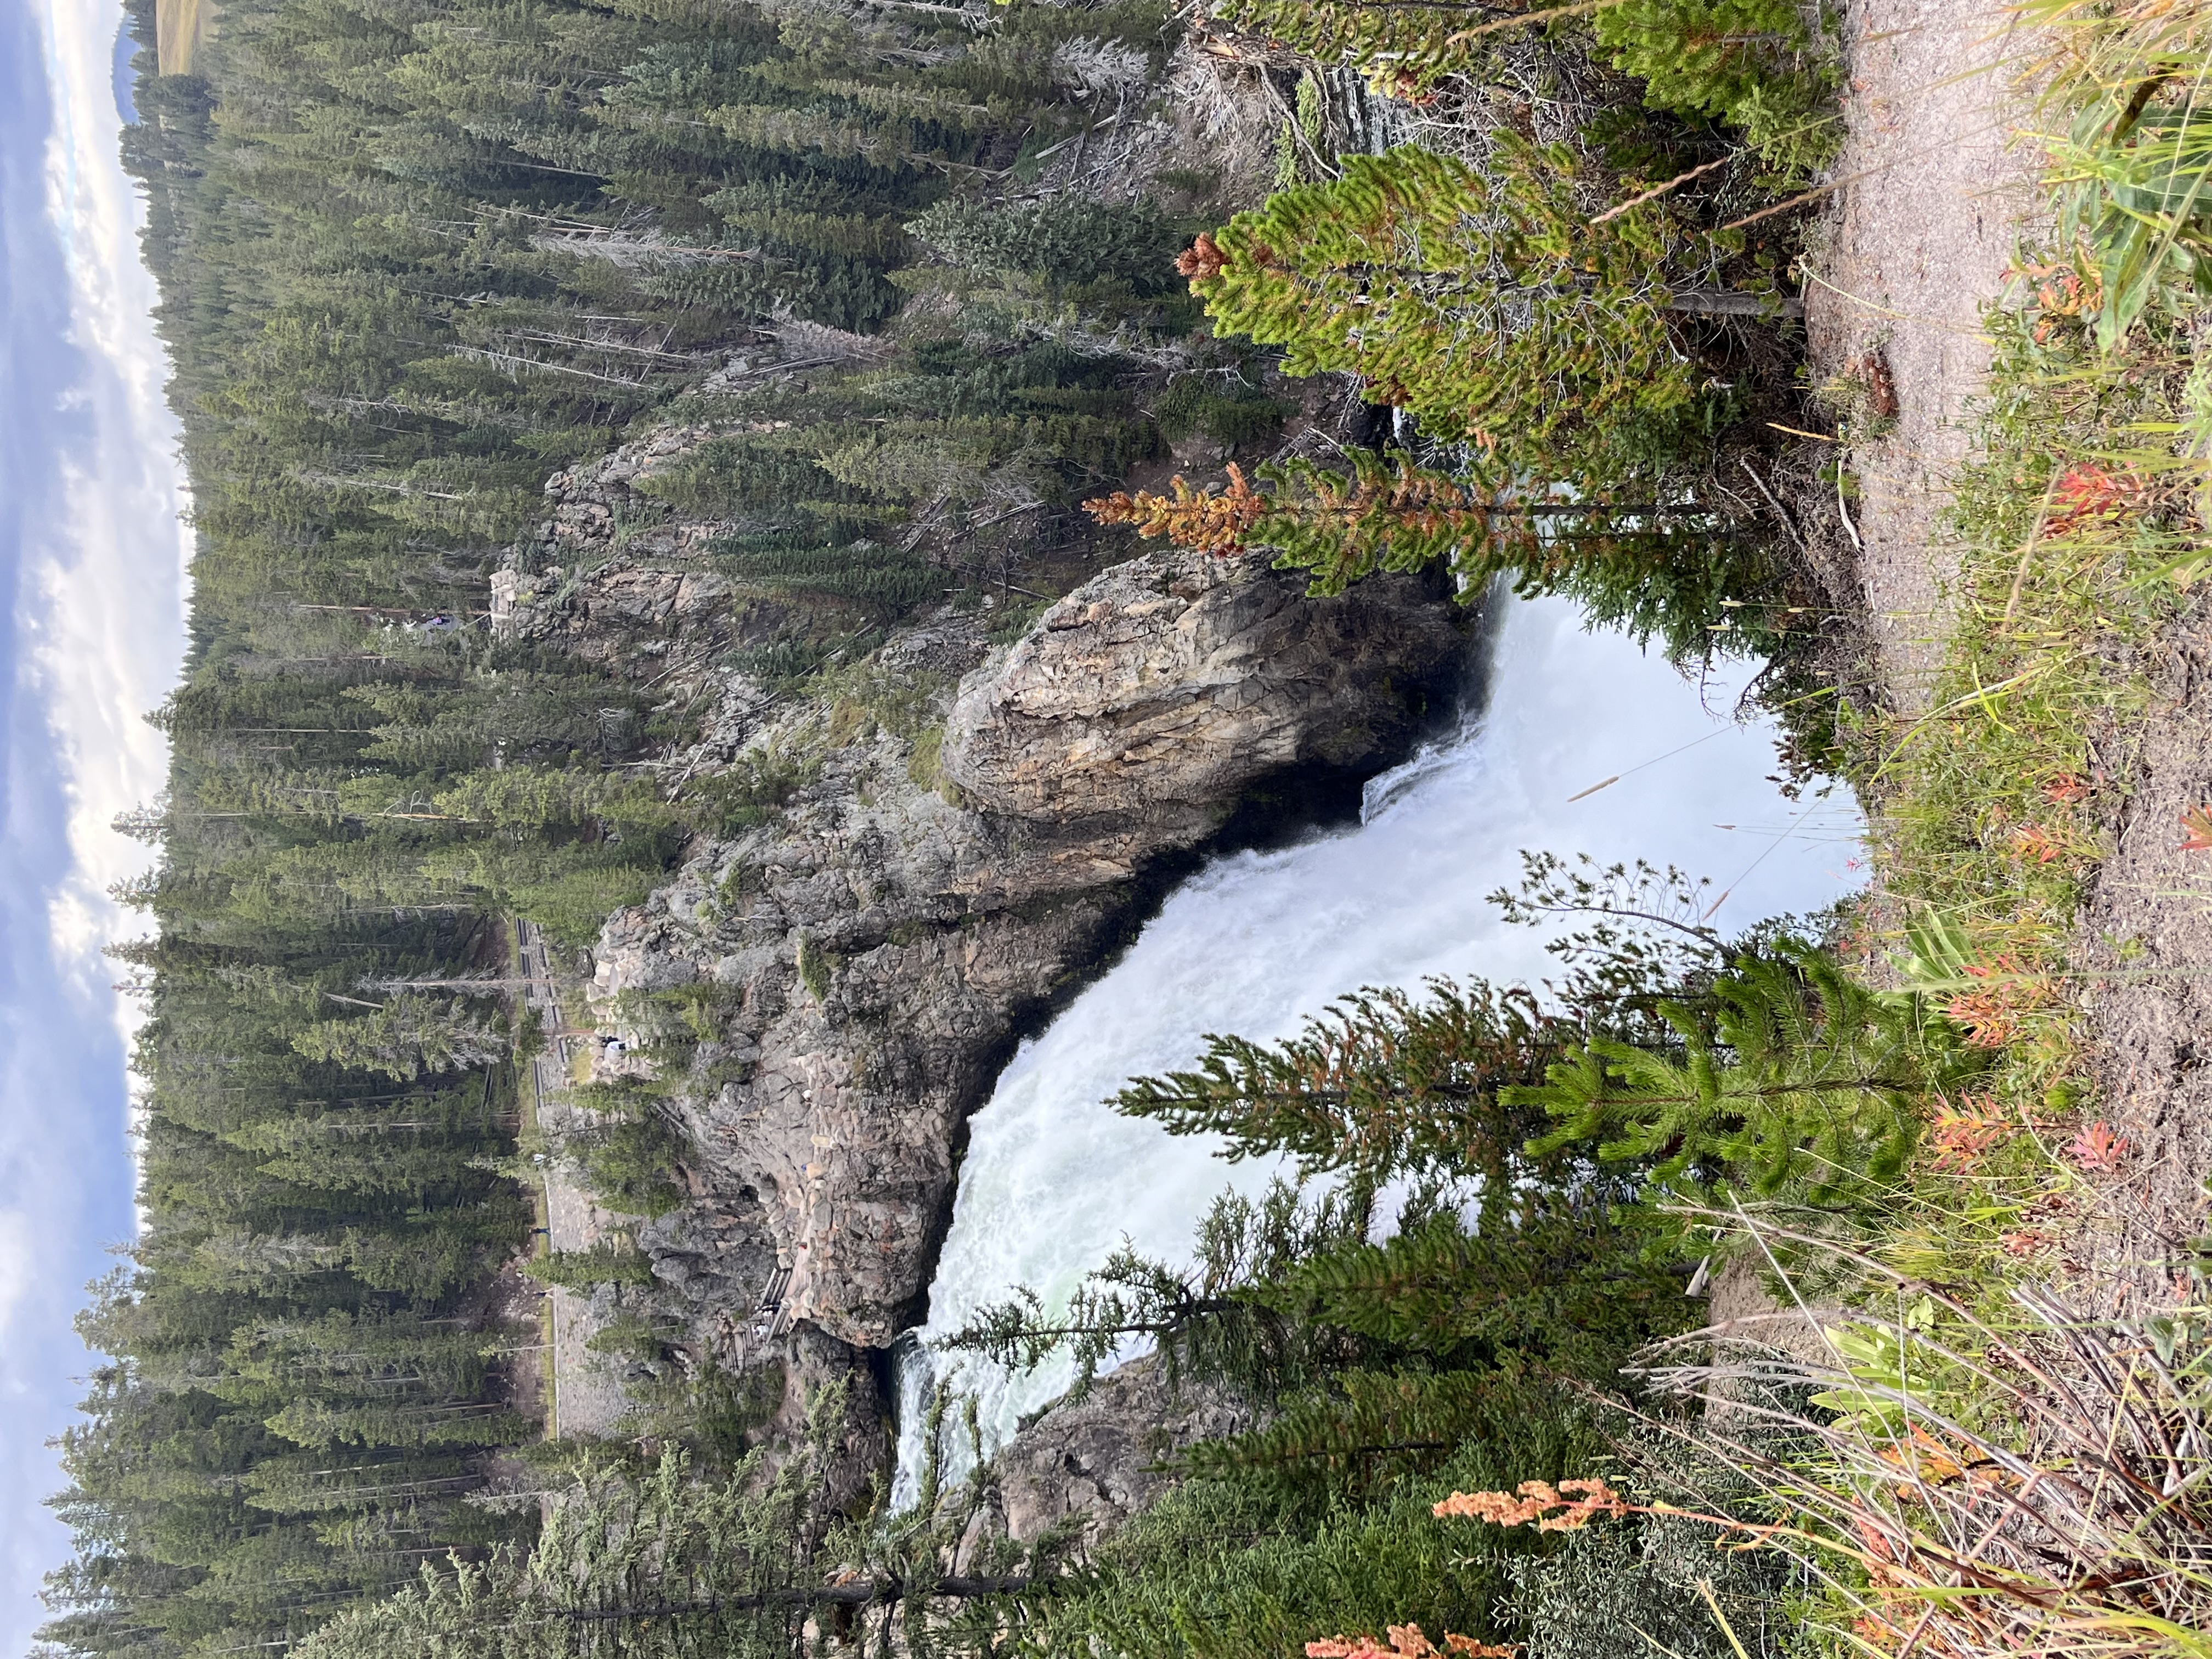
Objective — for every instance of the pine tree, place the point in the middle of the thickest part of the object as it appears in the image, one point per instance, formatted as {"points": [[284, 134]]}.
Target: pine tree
{"points": [[407, 1037], [1490, 306], [1795, 1081], [1382, 1084], [663, 1566]]}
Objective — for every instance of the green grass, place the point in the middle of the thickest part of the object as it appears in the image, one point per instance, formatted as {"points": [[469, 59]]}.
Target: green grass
{"points": [[1989, 808]]}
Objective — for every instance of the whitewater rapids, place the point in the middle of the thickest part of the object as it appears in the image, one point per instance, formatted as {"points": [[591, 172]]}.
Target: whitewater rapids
{"points": [[1053, 1179]]}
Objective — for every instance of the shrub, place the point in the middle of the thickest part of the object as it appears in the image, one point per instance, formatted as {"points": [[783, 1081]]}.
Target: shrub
{"points": [[1490, 307]]}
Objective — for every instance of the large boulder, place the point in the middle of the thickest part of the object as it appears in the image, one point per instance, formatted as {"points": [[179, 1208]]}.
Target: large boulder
{"points": [[1090, 1464], [1143, 705]]}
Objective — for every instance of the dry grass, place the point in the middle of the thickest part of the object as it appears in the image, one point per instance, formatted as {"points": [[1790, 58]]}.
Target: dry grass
{"points": [[2031, 1482]]}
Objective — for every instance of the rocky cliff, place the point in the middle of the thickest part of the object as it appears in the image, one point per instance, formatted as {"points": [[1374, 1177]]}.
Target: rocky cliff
{"points": [[874, 950], [950, 837]]}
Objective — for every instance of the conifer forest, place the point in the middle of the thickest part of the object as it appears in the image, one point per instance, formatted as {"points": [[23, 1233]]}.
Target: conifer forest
{"points": [[666, 477]]}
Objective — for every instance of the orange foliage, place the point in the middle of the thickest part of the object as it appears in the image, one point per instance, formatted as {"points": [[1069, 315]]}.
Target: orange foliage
{"points": [[1992, 1017], [1189, 518], [1929, 1463], [1963, 1136], [1406, 1642], [1536, 1501], [1202, 260], [2098, 1148], [2085, 492]]}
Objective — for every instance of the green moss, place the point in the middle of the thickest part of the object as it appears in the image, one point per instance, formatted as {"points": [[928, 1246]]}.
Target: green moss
{"points": [[815, 967]]}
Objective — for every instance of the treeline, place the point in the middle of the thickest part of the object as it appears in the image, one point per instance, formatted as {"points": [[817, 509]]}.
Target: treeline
{"points": [[413, 257]]}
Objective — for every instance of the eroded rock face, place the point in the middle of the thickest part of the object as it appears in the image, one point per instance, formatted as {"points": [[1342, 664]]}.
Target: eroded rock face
{"points": [[1096, 1461], [872, 953], [1143, 703]]}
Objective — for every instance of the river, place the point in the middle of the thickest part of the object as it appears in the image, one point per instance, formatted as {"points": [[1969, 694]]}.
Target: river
{"points": [[1053, 1179]]}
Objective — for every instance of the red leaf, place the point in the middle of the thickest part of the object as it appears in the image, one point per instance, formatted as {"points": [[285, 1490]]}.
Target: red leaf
{"points": [[2098, 1148]]}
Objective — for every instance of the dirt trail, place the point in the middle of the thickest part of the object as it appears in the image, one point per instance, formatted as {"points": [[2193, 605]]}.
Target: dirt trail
{"points": [[587, 1394], [2149, 921], [1916, 240], [1914, 243]]}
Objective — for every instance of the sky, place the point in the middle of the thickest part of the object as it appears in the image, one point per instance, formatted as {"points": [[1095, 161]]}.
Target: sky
{"points": [[92, 585]]}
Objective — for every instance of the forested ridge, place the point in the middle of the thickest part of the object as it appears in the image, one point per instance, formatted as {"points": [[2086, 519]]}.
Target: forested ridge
{"points": [[413, 257]]}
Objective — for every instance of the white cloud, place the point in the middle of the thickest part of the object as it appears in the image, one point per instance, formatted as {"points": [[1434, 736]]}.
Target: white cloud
{"points": [[101, 608]]}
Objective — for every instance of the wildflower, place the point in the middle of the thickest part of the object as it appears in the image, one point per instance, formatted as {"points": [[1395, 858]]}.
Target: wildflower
{"points": [[2062, 296], [2098, 1148], [1962, 1137], [1991, 1017], [2086, 492], [2196, 829]]}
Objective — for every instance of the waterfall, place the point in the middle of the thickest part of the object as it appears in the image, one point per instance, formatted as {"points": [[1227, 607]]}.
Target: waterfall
{"points": [[1053, 1180]]}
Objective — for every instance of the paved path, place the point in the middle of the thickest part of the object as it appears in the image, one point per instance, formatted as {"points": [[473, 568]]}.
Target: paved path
{"points": [[587, 1394]]}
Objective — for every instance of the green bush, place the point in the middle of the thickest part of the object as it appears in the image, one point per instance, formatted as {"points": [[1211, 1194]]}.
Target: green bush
{"points": [[1223, 1570], [1748, 63]]}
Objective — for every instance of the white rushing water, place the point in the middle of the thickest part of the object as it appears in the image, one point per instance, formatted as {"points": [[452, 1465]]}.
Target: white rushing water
{"points": [[1053, 1179]]}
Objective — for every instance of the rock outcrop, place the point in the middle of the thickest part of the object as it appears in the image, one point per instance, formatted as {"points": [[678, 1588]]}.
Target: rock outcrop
{"points": [[873, 952], [1090, 1464], [1142, 706]]}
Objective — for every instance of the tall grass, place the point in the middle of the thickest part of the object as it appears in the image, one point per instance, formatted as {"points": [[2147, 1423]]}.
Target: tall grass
{"points": [[1979, 1457], [2132, 146], [2024, 1477]]}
